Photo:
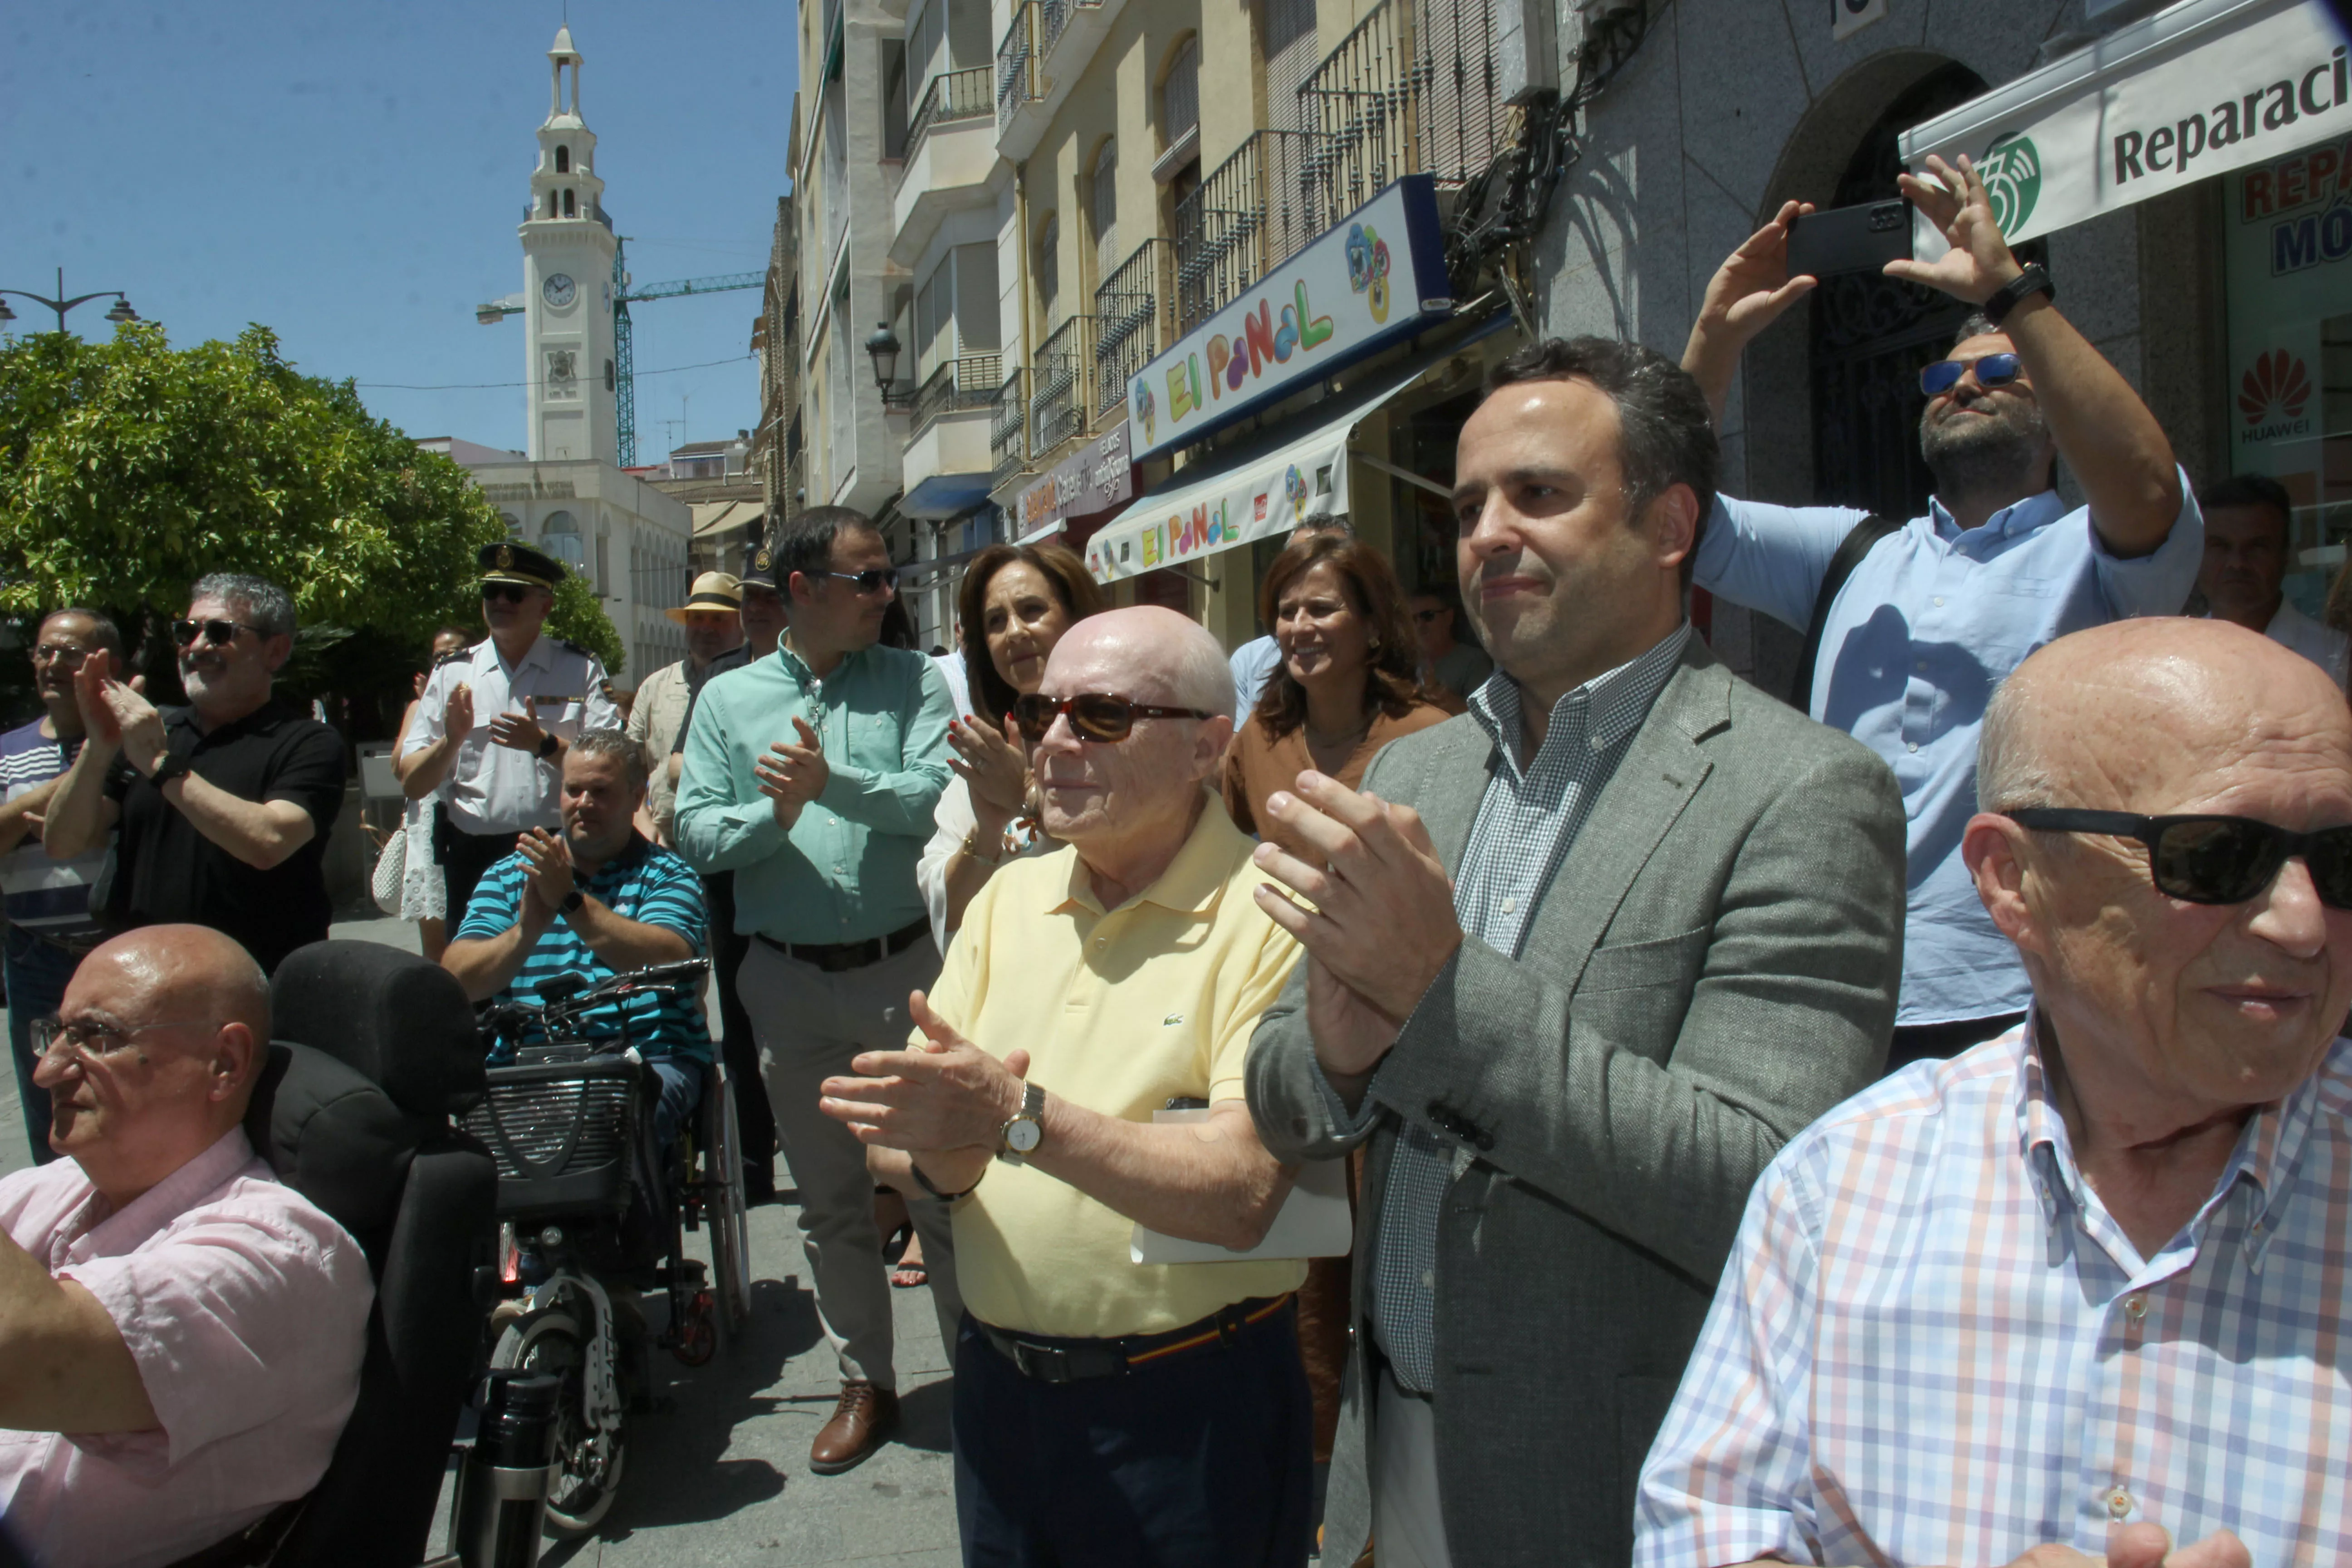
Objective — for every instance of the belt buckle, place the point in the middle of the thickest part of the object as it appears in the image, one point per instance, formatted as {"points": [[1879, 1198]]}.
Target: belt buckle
{"points": [[1046, 1364]]}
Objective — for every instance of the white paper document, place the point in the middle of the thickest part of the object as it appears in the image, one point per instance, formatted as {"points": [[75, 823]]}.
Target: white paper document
{"points": [[1314, 1221]]}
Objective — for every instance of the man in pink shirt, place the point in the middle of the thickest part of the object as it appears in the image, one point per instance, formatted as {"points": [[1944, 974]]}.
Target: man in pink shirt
{"points": [[180, 1335]]}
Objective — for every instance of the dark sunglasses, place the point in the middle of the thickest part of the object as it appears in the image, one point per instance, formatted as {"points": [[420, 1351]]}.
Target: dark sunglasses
{"points": [[217, 634], [1094, 715], [1992, 370], [512, 593], [2214, 860], [868, 582]]}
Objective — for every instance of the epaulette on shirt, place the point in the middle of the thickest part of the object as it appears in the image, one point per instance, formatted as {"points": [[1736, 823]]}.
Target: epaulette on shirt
{"points": [[453, 654], [575, 648]]}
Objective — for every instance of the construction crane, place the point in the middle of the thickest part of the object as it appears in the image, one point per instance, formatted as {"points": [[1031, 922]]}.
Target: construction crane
{"points": [[624, 373]]}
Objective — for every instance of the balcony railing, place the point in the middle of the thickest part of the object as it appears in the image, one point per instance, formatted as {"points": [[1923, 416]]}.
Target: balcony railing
{"points": [[1016, 63], [965, 381], [1384, 109], [1134, 311], [1008, 453], [952, 96], [1254, 212], [1058, 404]]}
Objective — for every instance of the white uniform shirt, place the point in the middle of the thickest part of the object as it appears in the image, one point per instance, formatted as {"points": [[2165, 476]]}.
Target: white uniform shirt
{"points": [[494, 788]]}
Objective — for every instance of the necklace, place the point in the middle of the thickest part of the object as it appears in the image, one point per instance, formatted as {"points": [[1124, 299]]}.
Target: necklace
{"points": [[1315, 739]]}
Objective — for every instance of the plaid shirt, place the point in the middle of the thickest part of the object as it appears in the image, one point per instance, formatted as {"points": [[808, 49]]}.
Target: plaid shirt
{"points": [[1525, 826], [1932, 1343]]}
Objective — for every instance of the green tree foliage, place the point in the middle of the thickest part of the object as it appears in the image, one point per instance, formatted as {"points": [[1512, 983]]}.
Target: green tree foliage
{"points": [[579, 616]]}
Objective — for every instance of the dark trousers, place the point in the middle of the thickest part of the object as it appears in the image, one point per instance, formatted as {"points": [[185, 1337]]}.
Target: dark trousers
{"points": [[464, 856], [1201, 1460], [38, 972], [1941, 1042], [738, 1047]]}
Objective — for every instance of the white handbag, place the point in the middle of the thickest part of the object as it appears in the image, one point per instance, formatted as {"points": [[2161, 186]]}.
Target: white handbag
{"points": [[391, 871]]}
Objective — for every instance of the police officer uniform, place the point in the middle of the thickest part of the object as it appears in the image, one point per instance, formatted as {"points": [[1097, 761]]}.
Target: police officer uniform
{"points": [[493, 793]]}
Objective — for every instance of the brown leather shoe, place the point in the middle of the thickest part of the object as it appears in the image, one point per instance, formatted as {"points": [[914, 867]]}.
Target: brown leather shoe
{"points": [[864, 1418]]}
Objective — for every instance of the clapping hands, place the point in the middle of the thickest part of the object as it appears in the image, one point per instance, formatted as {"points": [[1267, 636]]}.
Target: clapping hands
{"points": [[790, 774]]}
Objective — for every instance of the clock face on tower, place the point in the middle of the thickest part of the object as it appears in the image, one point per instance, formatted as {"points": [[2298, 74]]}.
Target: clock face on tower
{"points": [[557, 291]]}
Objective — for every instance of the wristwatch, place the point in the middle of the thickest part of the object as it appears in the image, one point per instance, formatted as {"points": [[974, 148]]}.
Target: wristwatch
{"points": [[2034, 280], [573, 900], [167, 768], [547, 744], [1018, 1138]]}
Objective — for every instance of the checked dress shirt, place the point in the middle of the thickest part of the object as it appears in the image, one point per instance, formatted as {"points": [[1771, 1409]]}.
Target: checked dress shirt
{"points": [[1933, 1344], [1525, 825]]}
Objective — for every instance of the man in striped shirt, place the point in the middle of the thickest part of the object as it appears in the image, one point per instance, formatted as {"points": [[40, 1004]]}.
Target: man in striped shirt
{"points": [[2084, 1285], [597, 900]]}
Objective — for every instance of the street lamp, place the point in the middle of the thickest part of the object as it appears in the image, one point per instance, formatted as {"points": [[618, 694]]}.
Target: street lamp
{"points": [[882, 347], [120, 313]]}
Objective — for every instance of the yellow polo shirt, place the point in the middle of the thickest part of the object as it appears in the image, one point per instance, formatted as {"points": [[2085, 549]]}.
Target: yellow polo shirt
{"points": [[1120, 1011]]}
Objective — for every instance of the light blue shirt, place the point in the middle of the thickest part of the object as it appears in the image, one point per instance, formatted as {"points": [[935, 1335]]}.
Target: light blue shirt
{"points": [[1931, 620], [1252, 663]]}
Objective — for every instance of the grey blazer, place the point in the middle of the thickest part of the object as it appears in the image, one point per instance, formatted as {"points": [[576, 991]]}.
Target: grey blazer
{"points": [[1714, 964]]}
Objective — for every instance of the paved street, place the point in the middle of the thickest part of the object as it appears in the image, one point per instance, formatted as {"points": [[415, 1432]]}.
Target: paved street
{"points": [[718, 1475]]}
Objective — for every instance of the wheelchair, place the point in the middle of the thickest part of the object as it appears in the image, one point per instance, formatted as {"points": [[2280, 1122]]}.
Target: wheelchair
{"points": [[593, 1215]]}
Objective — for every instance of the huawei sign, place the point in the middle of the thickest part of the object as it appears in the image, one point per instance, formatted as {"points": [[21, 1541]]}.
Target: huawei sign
{"points": [[2275, 388]]}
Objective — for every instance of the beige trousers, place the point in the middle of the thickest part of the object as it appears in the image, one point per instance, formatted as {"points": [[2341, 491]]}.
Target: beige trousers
{"points": [[809, 1025]]}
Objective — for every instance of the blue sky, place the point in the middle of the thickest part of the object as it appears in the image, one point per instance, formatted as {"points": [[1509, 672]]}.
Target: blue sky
{"points": [[352, 175]]}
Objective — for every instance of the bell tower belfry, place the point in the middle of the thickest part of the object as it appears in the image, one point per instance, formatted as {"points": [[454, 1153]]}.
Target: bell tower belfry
{"points": [[567, 277]]}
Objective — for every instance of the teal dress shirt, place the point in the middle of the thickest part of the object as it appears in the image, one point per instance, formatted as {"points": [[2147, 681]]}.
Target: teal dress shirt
{"points": [[845, 871]]}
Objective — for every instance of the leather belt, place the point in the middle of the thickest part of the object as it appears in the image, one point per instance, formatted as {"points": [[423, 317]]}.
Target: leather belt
{"points": [[834, 957], [1074, 1361]]}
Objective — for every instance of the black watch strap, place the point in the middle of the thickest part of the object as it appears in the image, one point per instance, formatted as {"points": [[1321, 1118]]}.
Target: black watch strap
{"points": [[573, 900], [924, 1182], [547, 744], [2034, 280], [167, 768]]}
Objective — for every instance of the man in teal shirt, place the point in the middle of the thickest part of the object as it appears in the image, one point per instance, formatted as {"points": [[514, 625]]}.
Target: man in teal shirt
{"points": [[813, 774]]}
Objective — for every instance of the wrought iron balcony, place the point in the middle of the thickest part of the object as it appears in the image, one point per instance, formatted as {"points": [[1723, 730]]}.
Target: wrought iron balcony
{"points": [[1254, 212], [966, 381], [1134, 313], [1059, 406], [952, 95], [1016, 62], [1008, 451], [1383, 109]]}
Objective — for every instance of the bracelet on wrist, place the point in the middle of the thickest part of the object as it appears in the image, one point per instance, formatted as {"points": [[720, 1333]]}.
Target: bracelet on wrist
{"points": [[924, 1182], [972, 850]]}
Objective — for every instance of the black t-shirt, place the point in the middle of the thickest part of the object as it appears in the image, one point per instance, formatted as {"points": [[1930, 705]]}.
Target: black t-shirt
{"points": [[167, 872]]}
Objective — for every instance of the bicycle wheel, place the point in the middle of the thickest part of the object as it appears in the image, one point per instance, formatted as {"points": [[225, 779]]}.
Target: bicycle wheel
{"points": [[588, 1463], [731, 1233]]}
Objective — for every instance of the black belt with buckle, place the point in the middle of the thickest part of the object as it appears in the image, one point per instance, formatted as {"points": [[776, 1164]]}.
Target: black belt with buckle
{"points": [[1074, 1361], [834, 957]]}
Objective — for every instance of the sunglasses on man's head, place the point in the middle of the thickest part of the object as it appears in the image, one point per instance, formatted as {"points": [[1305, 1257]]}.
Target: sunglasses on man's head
{"points": [[2213, 860], [512, 593], [1094, 715], [872, 581], [1992, 370], [218, 633]]}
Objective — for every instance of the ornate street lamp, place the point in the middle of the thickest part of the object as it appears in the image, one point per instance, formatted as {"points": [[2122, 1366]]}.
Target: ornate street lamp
{"points": [[121, 313]]}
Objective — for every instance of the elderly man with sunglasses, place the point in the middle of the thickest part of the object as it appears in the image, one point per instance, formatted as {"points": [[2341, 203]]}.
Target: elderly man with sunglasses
{"points": [[1107, 1411], [224, 804], [179, 1334], [813, 774], [496, 720], [1910, 626], [2082, 1285]]}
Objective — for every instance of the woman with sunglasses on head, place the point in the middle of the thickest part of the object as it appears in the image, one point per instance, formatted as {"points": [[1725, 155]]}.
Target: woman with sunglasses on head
{"points": [[1015, 602]]}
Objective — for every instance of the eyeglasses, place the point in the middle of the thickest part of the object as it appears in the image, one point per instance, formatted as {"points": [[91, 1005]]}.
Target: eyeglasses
{"points": [[1094, 715], [872, 581], [2214, 860], [512, 593], [59, 653], [1992, 370], [216, 634], [90, 1039]]}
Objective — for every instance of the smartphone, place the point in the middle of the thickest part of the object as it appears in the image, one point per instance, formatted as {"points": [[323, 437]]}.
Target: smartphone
{"points": [[1850, 239]]}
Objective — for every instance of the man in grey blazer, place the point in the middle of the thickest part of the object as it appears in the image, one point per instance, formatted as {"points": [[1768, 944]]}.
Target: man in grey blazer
{"points": [[1578, 962]]}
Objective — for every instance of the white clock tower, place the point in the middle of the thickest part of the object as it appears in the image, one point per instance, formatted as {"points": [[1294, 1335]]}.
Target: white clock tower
{"points": [[567, 275]]}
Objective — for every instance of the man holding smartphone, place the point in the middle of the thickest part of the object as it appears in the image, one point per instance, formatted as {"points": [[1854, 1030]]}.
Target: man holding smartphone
{"points": [[1932, 615]]}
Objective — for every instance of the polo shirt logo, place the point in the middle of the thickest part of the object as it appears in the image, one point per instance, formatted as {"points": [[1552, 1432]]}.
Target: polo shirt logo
{"points": [[1170, 1021]]}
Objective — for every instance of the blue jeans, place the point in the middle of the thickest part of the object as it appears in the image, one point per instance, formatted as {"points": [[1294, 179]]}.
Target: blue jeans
{"points": [[37, 973], [681, 1091]]}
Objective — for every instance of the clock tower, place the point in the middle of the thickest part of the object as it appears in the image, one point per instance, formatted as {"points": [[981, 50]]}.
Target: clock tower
{"points": [[567, 277]]}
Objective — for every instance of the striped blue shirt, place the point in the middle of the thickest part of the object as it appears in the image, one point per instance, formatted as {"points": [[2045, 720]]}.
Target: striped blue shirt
{"points": [[38, 894], [644, 883]]}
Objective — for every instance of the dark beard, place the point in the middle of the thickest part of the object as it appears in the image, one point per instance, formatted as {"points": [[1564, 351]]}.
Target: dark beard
{"points": [[2001, 456]]}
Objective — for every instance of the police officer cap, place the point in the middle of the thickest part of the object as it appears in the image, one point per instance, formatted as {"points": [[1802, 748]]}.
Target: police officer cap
{"points": [[507, 562], [761, 569]]}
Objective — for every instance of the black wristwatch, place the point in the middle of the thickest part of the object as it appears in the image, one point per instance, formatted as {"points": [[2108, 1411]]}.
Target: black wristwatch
{"points": [[2034, 280], [167, 768], [547, 744], [573, 900]]}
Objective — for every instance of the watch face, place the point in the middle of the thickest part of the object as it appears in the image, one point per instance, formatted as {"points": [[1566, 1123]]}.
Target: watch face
{"points": [[558, 290], [1024, 1136]]}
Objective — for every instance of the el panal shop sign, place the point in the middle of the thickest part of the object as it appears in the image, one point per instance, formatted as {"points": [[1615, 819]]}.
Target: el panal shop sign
{"points": [[2206, 86], [1374, 277]]}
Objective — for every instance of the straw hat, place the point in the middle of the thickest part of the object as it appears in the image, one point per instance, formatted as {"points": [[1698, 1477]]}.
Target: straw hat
{"points": [[712, 591]]}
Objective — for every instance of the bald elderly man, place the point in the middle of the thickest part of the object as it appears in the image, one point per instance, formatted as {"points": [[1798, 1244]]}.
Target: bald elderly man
{"points": [[2084, 1285], [1107, 1411], [180, 1334]]}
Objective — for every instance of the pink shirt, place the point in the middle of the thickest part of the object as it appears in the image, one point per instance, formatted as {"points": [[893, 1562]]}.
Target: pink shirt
{"points": [[245, 1307]]}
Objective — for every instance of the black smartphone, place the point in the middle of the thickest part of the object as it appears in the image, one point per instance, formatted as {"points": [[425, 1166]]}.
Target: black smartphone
{"points": [[1850, 239]]}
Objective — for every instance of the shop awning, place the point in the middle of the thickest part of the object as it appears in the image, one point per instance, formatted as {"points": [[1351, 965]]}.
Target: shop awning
{"points": [[1261, 488], [2202, 88]]}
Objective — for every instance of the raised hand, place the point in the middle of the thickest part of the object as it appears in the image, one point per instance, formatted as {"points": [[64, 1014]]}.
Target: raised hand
{"points": [[547, 862], [996, 769], [457, 713], [1955, 201], [945, 1094], [792, 775], [516, 732], [1752, 286]]}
